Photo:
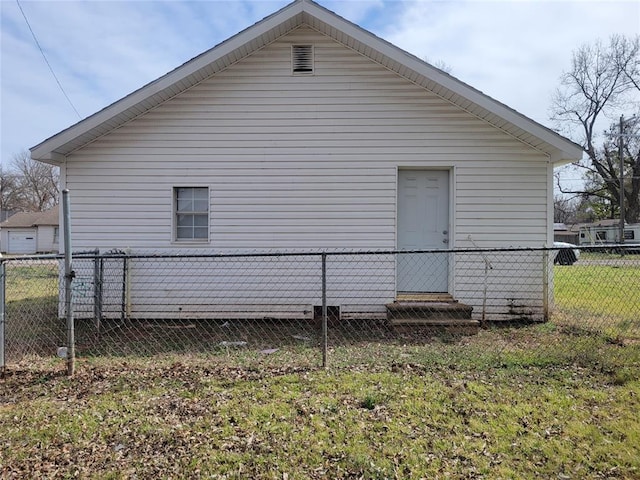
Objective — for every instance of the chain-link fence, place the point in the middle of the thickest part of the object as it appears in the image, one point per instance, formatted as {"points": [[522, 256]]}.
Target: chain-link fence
{"points": [[323, 307]]}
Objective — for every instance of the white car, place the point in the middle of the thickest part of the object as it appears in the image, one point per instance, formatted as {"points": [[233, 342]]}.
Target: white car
{"points": [[565, 253]]}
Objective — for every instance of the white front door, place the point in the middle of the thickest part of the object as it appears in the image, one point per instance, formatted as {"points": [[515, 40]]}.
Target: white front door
{"points": [[423, 224]]}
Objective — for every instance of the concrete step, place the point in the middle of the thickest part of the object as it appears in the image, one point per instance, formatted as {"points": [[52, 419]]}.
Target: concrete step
{"points": [[435, 322], [450, 317], [423, 297], [428, 310]]}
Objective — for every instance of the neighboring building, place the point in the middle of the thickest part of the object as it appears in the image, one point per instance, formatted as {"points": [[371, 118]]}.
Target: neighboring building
{"points": [[306, 132], [608, 232], [562, 233], [30, 232], [5, 214]]}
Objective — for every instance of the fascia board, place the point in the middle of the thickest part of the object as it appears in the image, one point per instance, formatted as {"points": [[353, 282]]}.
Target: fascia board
{"points": [[52, 158], [559, 158]]}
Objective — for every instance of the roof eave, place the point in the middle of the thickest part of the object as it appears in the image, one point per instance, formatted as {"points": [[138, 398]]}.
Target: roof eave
{"points": [[559, 149], [565, 156]]}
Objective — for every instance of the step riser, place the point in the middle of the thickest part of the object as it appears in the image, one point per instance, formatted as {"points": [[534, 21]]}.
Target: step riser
{"points": [[450, 317], [453, 311], [431, 322], [435, 321], [428, 315], [424, 297]]}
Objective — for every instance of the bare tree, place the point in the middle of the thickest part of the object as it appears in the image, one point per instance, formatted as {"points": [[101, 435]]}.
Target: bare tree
{"points": [[28, 186], [441, 64], [562, 209], [11, 199], [604, 80], [39, 182]]}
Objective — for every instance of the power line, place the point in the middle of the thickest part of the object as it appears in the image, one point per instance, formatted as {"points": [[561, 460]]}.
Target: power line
{"points": [[47, 61], [608, 180]]}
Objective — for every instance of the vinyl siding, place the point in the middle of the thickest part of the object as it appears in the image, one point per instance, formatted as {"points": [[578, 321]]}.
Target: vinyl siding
{"points": [[45, 239], [303, 162]]}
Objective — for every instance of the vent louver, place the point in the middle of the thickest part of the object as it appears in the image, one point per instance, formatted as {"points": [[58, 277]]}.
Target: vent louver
{"points": [[302, 59]]}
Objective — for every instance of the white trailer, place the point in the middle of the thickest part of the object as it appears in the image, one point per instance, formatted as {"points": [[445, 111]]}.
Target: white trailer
{"points": [[603, 235]]}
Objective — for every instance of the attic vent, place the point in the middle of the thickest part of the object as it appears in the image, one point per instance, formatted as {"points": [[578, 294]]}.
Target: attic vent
{"points": [[302, 59]]}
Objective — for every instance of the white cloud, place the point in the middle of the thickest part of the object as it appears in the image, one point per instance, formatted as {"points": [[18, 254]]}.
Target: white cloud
{"points": [[512, 51]]}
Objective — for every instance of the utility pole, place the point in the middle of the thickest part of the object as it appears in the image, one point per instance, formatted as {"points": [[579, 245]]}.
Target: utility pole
{"points": [[621, 136], [621, 157]]}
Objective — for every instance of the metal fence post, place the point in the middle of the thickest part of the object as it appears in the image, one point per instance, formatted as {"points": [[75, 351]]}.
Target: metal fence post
{"points": [[69, 274], [324, 310], [124, 314], [545, 284], [2, 316], [97, 290]]}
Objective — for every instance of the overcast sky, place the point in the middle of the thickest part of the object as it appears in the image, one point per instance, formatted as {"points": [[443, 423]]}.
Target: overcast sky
{"points": [[514, 51]]}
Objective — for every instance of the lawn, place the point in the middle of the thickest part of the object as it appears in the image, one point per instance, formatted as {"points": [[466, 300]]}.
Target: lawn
{"points": [[31, 280], [600, 292], [553, 400], [198, 418]]}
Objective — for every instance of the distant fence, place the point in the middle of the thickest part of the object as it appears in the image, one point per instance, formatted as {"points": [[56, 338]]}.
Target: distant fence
{"points": [[313, 302]]}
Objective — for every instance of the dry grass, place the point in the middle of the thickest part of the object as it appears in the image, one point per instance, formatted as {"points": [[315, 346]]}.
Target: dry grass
{"points": [[204, 417]]}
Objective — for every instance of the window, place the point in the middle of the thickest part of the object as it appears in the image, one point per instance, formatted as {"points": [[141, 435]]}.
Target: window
{"points": [[629, 235], [601, 235], [56, 234], [191, 205], [302, 59]]}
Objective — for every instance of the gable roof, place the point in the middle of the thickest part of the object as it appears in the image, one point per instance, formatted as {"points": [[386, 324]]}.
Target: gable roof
{"points": [[32, 219], [296, 14]]}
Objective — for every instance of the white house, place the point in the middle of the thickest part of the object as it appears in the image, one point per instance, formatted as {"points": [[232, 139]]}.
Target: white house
{"points": [[306, 132], [30, 232]]}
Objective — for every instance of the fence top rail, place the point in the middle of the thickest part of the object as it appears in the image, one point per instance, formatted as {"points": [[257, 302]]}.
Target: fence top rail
{"points": [[22, 258], [47, 256], [96, 254]]}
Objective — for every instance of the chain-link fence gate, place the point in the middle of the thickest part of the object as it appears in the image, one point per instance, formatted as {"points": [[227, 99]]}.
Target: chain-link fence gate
{"points": [[315, 305]]}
